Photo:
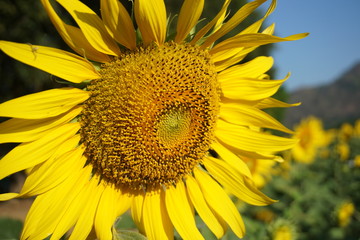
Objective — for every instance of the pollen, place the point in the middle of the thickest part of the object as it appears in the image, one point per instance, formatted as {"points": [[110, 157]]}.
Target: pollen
{"points": [[150, 118]]}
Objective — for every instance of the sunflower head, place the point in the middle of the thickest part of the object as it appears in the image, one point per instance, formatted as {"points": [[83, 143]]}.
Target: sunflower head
{"points": [[312, 137], [156, 123], [283, 229], [345, 213], [151, 116]]}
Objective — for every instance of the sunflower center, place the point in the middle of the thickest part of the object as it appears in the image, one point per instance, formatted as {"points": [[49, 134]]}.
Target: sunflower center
{"points": [[150, 117], [174, 126]]}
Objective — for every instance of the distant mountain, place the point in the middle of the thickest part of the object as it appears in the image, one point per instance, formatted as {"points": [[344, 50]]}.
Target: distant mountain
{"points": [[334, 103]]}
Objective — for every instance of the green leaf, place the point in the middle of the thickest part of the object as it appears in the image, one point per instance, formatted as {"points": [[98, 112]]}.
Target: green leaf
{"points": [[129, 235]]}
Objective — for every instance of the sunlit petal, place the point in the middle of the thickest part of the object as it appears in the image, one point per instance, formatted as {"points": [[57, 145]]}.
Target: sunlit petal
{"points": [[119, 23], [26, 130], [73, 36], [73, 68], [184, 222], [238, 17], [188, 17], [91, 25], [43, 104], [27, 155], [198, 200], [157, 223], [220, 202], [151, 18]]}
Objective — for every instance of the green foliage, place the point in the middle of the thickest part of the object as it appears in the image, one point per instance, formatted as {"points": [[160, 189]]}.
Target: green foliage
{"points": [[25, 22], [128, 235], [310, 196], [125, 222], [10, 229]]}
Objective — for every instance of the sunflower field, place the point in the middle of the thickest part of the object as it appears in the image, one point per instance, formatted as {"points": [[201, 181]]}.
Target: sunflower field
{"points": [[317, 187]]}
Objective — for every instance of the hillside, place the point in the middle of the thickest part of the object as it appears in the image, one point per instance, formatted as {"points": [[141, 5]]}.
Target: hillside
{"points": [[334, 103]]}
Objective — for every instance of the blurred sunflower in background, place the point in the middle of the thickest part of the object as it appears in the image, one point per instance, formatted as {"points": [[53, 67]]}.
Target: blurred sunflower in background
{"points": [[344, 213], [148, 121], [283, 231], [312, 137], [261, 170]]}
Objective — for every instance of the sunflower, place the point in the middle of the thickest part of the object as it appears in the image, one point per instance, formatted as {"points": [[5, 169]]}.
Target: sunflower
{"points": [[261, 170], [344, 213], [312, 137], [284, 230], [147, 122]]}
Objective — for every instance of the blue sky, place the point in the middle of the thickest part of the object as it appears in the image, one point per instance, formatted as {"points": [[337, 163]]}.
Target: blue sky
{"points": [[332, 47]]}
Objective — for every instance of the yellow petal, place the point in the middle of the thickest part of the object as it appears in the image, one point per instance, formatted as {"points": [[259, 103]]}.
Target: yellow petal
{"points": [[220, 202], [220, 20], [137, 210], [112, 204], [92, 27], [157, 224], [230, 57], [189, 15], [249, 140], [8, 196], [250, 89], [89, 207], [271, 29], [36, 175], [235, 55], [238, 17], [47, 209], [197, 198], [36, 213], [254, 28], [53, 175], [180, 212], [151, 18], [106, 213], [54, 61], [124, 201], [74, 37], [27, 155], [85, 200], [271, 8], [43, 104], [250, 69], [251, 155], [209, 25], [230, 158], [225, 55], [118, 22], [252, 40], [233, 181], [272, 102], [249, 116], [26, 130], [57, 198]]}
